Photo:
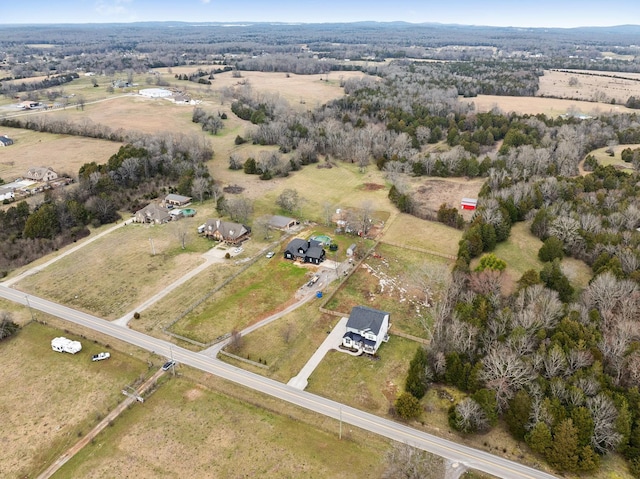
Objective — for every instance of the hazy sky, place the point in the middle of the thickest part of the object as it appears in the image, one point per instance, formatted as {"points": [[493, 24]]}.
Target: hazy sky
{"points": [[519, 13]]}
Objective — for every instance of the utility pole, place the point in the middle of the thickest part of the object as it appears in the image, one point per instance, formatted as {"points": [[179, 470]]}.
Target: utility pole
{"points": [[173, 363], [29, 306]]}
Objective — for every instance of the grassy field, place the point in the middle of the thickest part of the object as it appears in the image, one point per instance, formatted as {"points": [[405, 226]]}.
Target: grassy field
{"points": [[388, 283], [547, 106], [258, 292], [65, 154], [606, 159], [287, 344], [411, 232], [520, 252], [585, 85], [115, 273], [188, 430], [362, 382], [49, 399]]}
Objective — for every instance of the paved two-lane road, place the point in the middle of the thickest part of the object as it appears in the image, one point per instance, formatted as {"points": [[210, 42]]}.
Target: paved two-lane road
{"points": [[469, 457]]}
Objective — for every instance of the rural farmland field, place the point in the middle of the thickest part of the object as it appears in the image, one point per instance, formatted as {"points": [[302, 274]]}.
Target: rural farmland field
{"points": [[48, 399], [186, 429]]}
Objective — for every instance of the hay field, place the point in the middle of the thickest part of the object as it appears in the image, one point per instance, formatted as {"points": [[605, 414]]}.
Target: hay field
{"points": [[590, 85], [112, 275], [548, 106], [411, 232], [65, 154], [308, 91], [188, 430], [49, 399]]}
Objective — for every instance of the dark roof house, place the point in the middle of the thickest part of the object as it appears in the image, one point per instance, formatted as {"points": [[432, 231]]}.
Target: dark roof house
{"points": [[306, 251], [366, 328]]}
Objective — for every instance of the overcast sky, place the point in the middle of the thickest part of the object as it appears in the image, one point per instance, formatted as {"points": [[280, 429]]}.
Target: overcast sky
{"points": [[518, 13]]}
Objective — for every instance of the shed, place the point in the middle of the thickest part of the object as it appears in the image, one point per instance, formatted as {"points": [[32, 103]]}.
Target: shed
{"points": [[282, 222], [351, 250], [177, 200], [469, 203]]}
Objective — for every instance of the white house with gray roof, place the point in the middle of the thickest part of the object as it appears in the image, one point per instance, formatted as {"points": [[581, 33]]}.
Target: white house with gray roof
{"points": [[367, 329]]}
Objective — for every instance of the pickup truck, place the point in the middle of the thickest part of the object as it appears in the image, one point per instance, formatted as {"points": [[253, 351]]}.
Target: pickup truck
{"points": [[100, 356]]}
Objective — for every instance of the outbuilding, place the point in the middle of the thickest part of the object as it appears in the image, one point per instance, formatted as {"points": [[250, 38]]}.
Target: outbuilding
{"points": [[469, 203]]}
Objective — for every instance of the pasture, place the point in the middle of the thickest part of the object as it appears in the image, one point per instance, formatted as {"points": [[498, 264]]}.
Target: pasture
{"points": [[49, 399], [65, 154], [591, 86], [551, 107], [414, 233], [606, 159], [202, 429], [115, 273]]}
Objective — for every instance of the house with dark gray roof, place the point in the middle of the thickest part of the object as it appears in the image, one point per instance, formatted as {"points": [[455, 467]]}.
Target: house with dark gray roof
{"points": [[367, 329], [226, 231], [306, 251]]}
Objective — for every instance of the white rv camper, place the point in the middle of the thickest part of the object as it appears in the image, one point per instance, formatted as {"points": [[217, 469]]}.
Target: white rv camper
{"points": [[64, 345]]}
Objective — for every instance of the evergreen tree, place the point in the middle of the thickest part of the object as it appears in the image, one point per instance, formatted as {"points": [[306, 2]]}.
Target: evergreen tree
{"points": [[416, 383], [563, 453]]}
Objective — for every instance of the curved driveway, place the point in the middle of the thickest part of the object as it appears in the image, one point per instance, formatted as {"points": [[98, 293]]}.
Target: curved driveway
{"points": [[457, 453]]}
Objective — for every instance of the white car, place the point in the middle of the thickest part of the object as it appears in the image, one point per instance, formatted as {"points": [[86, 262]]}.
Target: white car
{"points": [[100, 356], [270, 254], [238, 250]]}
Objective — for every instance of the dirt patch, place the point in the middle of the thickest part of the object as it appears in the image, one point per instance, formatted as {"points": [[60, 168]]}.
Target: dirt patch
{"points": [[390, 391], [372, 187], [233, 189], [193, 394], [429, 194]]}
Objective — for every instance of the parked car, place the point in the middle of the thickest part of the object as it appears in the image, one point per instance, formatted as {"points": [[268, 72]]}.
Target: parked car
{"points": [[168, 365], [270, 254], [238, 250], [100, 356]]}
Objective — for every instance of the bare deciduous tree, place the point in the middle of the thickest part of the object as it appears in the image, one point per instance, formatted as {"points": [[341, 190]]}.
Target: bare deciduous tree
{"points": [[406, 462]]}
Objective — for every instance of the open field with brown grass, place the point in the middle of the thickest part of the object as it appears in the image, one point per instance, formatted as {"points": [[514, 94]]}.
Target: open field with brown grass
{"points": [[49, 399], [411, 232], [308, 91], [392, 282], [119, 271], [590, 85], [431, 193], [186, 429], [63, 153], [547, 106]]}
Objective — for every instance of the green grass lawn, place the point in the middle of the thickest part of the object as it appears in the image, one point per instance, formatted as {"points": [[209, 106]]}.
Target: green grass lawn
{"points": [[187, 430], [363, 382], [412, 232], [261, 290], [49, 399]]}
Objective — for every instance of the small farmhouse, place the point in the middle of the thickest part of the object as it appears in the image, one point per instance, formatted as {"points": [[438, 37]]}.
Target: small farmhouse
{"points": [[5, 141], [41, 174], [468, 203], [232, 233], [153, 213], [177, 200], [367, 328], [306, 251], [282, 222]]}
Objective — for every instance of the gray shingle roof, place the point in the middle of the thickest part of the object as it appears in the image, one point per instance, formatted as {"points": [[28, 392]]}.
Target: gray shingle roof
{"points": [[363, 318]]}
